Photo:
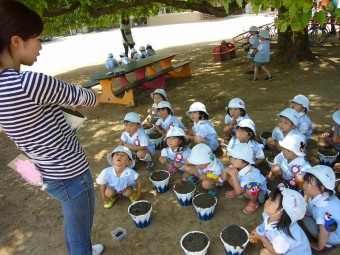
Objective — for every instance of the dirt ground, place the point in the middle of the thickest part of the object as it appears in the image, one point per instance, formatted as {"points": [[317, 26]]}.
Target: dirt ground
{"points": [[32, 223]]}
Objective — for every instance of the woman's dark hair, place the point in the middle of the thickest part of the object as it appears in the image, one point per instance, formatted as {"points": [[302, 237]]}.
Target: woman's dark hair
{"points": [[243, 112], [285, 221], [203, 115], [17, 19], [163, 97], [311, 178], [248, 130]]}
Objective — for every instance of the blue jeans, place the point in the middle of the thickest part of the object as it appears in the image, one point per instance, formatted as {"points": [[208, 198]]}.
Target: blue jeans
{"points": [[76, 196]]}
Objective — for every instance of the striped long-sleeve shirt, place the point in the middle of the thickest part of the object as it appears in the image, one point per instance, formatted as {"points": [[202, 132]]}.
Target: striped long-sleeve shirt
{"points": [[31, 116]]}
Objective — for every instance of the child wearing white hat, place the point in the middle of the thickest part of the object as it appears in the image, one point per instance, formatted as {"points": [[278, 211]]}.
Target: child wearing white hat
{"points": [[244, 178], [300, 103], [202, 131], [280, 233], [203, 165], [111, 62], [262, 55], [177, 151], [291, 163], [236, 111], [287, 125], [142, 51], [119, 177], [124, 60], [332, 137], [150, 51], [245, 133], [136, 140], [322, 219], [166, 118], [135, 56], [253, 43], [158, 96]]}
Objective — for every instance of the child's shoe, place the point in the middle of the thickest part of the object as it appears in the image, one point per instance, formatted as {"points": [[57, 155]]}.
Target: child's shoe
{"points": [[254, 79], [193, 179], [132, 197], [324, 250], [150, 165], [232, 194], [269, 77], [213, 192], [251, 207], [250, 72], [172, 170], [109, 204]]}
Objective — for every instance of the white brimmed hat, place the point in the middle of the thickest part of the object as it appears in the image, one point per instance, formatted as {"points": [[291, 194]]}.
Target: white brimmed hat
{"points": [[159, 91], [247, 123], [290, 114], [325, 174], [301, 99], [165, 104], [142, 48], [201, 154], [336, 117], [197, 107], [236, 103], [175, 131], [133, 50], [122, 54], [295, 143], [264, 33], [253, 29], [293, 203], [110, 55], [243, 151], [132, 117], [121, 149]]}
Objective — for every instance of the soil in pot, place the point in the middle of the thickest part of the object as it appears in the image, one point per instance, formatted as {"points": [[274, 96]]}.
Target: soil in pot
{"points": [[155, 135], [184, 187], [119, 234], [159, 176], [147, 126], [328, 151], [204, 200], [74, 113], [266, 135], [140, 208], [234, 236], [194, 242]]}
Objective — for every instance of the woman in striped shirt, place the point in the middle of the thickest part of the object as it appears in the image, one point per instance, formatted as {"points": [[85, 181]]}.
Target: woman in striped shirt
{"points": [[31, 116]]}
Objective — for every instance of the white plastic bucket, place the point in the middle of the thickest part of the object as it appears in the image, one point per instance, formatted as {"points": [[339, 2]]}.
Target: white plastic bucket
{"points": [[185, 199], [73, 118], [231, 250], [161, 186], [204, 213], [149, 130], [327, 160], [270, 164], [141, 221], [202, 252], [157, 142], [263, 139]]}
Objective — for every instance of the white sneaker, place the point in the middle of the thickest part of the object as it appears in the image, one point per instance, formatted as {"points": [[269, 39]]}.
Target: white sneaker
{"points": [[97, 249]]}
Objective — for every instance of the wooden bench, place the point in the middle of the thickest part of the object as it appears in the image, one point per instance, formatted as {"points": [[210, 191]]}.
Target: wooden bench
{"points": [[110, 96]]}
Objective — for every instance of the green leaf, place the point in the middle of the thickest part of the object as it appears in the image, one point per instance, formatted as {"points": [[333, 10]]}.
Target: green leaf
{"points": [[283, 27], [292, 10], [305, 18], [320, 17], [239, 2]]}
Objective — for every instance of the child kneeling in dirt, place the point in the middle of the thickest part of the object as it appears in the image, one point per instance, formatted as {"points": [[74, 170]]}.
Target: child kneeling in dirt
{"points": [[119, 178], [332, 137], [203, 165], [245, 179]]}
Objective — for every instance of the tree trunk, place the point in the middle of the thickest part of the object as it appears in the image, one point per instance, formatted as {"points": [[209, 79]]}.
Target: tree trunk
{"points": [[292, 47]]}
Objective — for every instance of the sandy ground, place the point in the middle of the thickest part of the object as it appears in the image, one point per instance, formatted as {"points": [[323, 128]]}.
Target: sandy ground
{"points": [[32, 223]]}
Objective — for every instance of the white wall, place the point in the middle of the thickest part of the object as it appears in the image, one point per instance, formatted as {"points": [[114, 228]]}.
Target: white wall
{"points": [[175, 18]]}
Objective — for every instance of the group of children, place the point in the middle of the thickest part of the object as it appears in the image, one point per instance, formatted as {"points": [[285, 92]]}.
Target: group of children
{"points": [[144, 52], [191, 151]]}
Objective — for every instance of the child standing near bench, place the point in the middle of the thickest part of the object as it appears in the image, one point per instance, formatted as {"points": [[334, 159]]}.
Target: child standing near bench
{"points": [[135, 139]]}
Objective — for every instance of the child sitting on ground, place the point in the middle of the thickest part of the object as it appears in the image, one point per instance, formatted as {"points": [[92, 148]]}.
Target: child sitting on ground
{"points": [[244, 178], [166, 118], [150, 51], [322, 219], [119, 178], [245, 133], [203, 165], [111, 62], [202, 131], [124, 60], [143, 52], [252, 44], [158, 95], [177, 151], [300, 103], [280, 233], [135, 139], [262, 56], [287, 125], [291, 164], [135, 56], [236, 111], [332, 137]]}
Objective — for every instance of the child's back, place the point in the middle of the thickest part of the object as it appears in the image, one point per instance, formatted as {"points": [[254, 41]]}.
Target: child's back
{"points": [[111, 62]]}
